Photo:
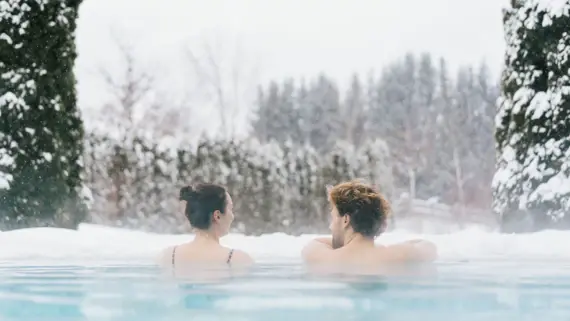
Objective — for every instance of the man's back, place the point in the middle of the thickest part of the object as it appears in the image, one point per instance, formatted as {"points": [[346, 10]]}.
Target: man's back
{"points": [[365, 253], [401, 259], [358, 214]]}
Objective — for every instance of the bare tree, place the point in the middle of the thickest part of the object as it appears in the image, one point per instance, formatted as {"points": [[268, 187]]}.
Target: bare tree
{"points": [[138, 103], [137, 109], [130, 90], [227, 82]]}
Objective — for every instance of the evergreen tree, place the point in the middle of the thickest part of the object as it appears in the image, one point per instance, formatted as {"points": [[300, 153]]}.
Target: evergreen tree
{"points": [[441, 172], [41, 131], [276, 115], [533, 120], [401, 117], [480, 161], [321, 113], [354, 113]]}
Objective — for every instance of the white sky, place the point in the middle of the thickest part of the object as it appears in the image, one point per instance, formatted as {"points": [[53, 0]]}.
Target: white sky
{"points": [[284, 38]]}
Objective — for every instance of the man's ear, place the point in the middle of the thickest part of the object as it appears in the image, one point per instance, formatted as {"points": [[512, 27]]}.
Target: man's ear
{"points": [[216, 215], [346, 219]]}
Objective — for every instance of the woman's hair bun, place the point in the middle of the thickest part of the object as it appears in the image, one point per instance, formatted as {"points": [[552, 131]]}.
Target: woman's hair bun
{"points": [[186, 193]]}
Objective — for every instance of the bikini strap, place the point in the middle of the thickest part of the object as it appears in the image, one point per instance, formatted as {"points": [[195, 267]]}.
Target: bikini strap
{"points": [[173, 255], [230, 256]]}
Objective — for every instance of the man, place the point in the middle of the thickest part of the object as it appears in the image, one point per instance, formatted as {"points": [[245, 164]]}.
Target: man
{"points": [[358, 214]]}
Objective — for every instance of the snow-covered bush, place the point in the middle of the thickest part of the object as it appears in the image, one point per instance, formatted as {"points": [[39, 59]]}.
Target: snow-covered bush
{"points": [[275, 188]]}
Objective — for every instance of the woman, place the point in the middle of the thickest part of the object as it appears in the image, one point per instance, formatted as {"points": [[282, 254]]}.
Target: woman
{"points": [[209, 209]]}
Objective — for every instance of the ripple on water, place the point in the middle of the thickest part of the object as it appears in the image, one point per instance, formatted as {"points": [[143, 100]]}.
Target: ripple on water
{"points": [[459, 290]]}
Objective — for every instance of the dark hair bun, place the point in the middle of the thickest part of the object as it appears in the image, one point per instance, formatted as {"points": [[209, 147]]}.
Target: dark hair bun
{"points": [[187, 193], [202, 200]]}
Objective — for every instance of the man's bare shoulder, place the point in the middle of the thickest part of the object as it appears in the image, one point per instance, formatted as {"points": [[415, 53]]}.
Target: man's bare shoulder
{"points": [[319, 251], [409, 251]]}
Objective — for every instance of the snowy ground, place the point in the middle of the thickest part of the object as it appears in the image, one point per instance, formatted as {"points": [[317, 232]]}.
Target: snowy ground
{"points": [[93, 244]]}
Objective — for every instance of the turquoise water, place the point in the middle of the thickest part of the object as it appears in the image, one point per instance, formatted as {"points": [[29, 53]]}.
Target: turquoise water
{"points": [[449, 291]]}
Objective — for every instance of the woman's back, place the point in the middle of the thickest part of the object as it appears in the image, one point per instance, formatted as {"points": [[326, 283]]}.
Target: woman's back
{"points": [[205, 253], [205, 262], [209, 209]]}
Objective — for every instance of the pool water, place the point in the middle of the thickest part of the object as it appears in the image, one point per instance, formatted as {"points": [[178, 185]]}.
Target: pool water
{"points": [[474, 290]]}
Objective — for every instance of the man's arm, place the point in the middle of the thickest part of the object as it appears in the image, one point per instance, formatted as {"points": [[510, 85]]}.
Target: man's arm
{"points": [[325, 240], [317, 250], [415, 251]]}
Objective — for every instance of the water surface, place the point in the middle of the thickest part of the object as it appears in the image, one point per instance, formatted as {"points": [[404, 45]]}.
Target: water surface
{"points": [[469, 290]]}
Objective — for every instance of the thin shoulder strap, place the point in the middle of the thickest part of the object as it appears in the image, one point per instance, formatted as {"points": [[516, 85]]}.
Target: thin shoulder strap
{"points": [[173, 256], [230, 256]]}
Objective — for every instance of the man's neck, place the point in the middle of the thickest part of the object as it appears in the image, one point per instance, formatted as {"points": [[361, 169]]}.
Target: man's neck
{"points": [[359, 240]]}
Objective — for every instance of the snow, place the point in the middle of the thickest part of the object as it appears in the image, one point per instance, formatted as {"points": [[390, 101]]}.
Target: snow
{"points": [[554, 8], [6, 38], [5, 180], [540, 173], [539, 104], [93, 244], [6, 163]]}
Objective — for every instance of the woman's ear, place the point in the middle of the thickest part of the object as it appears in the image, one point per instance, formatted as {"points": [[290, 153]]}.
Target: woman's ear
{"points": [[216, 216]]}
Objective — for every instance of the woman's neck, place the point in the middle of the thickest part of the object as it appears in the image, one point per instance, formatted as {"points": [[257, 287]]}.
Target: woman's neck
{"points": [[205, 237]]}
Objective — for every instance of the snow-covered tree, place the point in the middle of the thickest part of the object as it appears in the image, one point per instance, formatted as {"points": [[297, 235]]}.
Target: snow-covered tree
{"points": [[354, 114], [320, 110], [414, 129], [275, 187], [276, 115], [401, 116], [533, 120], [41, 132], [375, 165]]}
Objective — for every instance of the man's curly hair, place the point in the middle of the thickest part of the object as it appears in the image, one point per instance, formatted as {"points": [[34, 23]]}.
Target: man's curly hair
{"points": [[367, 208]]}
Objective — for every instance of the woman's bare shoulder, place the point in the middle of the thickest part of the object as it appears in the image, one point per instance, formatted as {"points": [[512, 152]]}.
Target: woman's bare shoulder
{"points": [[241, 257], [164, 258]]}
